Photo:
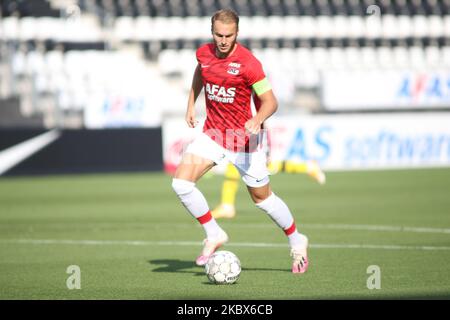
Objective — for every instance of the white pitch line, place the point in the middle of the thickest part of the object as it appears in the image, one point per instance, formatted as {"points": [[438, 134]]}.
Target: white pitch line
{"points": [[235, 244], [357, 227], [368, 227], [354, 227]]}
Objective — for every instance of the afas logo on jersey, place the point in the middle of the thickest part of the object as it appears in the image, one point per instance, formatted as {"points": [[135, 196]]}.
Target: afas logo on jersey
{"points": [[233, 68], [219, 93], [219, 90]]}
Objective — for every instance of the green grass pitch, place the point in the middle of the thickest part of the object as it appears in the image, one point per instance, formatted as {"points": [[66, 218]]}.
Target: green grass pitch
{"points": [[132, 239]]}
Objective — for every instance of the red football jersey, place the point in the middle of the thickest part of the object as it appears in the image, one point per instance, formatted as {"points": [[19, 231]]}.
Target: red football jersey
{"points": [[228, 92]]}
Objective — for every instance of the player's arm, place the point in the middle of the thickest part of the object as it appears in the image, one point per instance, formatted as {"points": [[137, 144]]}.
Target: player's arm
{"points": [[196, 88], [268, 107]]}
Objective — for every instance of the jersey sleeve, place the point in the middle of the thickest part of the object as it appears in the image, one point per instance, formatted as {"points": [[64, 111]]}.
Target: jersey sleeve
{"points": [[254, 72]]}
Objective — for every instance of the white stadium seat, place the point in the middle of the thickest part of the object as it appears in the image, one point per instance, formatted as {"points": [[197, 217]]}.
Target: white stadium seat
{"points": [[324, 26], [10, 28], [143, 28], [337, 58], [175, 28], [340, 27], [368, 58], [353, 57], [385, 57], [435, 26], [274, 27], [389, 26], [446, 27], [124, 28], [420, 26], [401, 57], [307, 27], [373, 27], [291, 27], [27, 28], [357, 27], [169, 62], [303, 57], [432, 57], [193, 28], [258, 27], [404, 27], [416, 58], [320, 58], [445, 56]]}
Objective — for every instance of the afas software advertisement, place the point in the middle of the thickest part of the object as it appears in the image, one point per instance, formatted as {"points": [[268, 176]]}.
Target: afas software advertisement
{"points": [[342, 142]]}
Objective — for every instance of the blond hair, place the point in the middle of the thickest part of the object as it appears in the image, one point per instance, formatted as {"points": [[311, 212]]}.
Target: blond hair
{"points": [[225, 16]]}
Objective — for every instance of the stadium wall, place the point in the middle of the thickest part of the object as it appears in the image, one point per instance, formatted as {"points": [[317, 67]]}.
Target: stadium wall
{"points": [[82, 151]]}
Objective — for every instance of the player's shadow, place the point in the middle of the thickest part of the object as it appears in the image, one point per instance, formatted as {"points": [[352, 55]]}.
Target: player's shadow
{"points": [[265, 269], [175, 265]]}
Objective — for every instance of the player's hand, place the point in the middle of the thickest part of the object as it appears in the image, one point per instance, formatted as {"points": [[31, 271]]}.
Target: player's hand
{"points": [[253, 126], [190, 118]]}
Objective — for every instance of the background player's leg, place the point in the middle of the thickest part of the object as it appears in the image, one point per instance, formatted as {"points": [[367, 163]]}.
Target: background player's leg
{"points": [[226, 209], [310, 167]]}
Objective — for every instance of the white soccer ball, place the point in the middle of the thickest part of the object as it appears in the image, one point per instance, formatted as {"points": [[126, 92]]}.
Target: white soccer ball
{"points": [[223, 267]]}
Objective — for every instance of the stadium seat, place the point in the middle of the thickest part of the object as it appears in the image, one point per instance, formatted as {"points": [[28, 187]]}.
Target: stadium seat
{"points": [[445, 57], [368, 58], [401, 57], [307, 27], [124, 28], [385, 58], [416, 58], [389, 26], [337, 58], [174, 27], [143, 28], [404, 27], [274, 27], [27, 28], [446, 26], [47, 28], [357, 27], [10, 28], [372, 27], [435, 26], [324, 26], [169, 62], [420, 26], [320, 58], [340, 27], [291, 27], [432, 57]]}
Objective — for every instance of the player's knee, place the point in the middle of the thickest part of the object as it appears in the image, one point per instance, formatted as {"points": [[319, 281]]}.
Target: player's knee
{"points": [[182, 187]]}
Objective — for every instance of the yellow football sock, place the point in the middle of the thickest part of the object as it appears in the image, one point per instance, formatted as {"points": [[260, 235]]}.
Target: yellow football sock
{"points": [[230, 185], [275, 166], [295, 167]]}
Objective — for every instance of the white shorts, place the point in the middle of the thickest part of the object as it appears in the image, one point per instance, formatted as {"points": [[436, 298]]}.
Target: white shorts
{"points": [[251, 166]]}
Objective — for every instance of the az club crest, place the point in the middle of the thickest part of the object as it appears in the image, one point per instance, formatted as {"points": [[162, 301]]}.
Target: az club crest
{"points": [[233, 68]]}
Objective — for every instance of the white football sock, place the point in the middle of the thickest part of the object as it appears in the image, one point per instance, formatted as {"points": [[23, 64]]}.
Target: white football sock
{"points": [[279, 212], [194, 201]]}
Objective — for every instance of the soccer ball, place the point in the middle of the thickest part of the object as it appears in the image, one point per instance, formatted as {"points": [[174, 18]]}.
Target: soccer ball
{"points": [[223, 267]]}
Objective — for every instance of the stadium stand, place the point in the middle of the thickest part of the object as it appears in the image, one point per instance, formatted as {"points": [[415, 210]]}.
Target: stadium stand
{"points": [[58, 55]]}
